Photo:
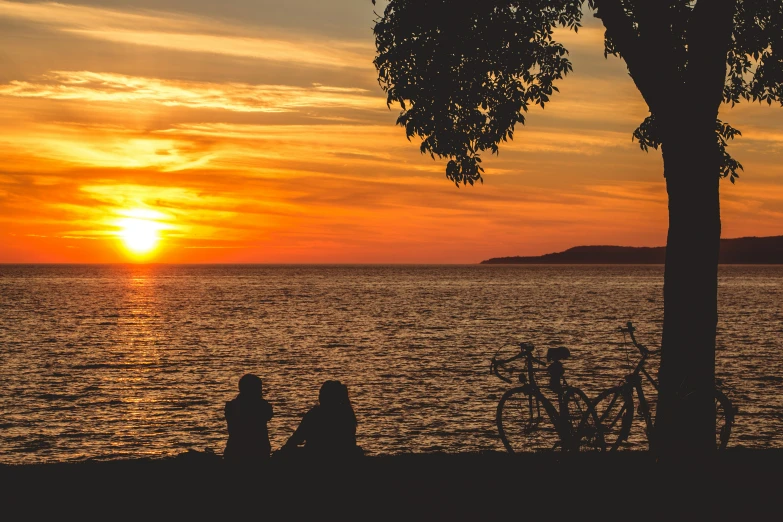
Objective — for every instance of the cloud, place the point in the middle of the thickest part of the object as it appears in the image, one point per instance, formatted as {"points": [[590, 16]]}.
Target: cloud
{"points": [[191, 34], [77, 16], [313, 54], [238, 97], [66, 146], [590, 35], [296, 164]]}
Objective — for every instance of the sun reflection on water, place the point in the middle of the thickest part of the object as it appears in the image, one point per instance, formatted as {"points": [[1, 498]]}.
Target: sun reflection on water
{"points": [[127, 361]]}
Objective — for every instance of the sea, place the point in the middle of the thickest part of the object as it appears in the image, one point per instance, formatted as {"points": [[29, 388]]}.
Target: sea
{"points": [[102, 362]]}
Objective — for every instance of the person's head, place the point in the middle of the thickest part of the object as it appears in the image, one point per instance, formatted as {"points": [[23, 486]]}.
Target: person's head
{"points": [[333, 393], [250, 385]]}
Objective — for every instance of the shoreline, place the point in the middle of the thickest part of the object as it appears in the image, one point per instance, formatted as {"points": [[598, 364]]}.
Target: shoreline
{"points": [[463, 486]]}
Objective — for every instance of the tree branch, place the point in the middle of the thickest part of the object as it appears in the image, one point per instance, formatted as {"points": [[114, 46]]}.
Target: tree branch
{"points": [[638, 57], [709, 38], [655, 21]]}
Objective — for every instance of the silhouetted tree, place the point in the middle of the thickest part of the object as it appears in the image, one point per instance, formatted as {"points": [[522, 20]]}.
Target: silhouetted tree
{"points": [[465, 72]]}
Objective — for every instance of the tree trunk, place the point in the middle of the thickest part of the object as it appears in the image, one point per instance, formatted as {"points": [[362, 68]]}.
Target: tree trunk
{"points": [[685, 418]]}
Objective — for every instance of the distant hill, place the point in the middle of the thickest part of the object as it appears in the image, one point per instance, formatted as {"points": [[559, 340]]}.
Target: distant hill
{"points": [[740, 251]]}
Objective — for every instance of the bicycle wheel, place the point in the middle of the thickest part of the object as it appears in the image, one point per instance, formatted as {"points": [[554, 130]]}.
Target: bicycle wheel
{"points": [[724, 419], [524, 423], [615, 416], [583, 425]]}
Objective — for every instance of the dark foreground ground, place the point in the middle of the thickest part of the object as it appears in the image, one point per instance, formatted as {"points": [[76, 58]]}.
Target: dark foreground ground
{"points": [[737, 485]]}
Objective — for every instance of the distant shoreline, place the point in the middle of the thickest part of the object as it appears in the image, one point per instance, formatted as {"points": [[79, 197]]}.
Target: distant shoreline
{"points": [[737, 251]]}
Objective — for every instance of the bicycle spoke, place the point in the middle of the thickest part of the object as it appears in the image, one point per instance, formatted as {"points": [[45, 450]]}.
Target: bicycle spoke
{"points": [[724, 419], [523, 423], [615, 416], [582, 422], [609, 409]]}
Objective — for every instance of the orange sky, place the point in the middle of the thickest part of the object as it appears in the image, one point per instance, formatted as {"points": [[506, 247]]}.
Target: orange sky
{"points": [[255, 131]]}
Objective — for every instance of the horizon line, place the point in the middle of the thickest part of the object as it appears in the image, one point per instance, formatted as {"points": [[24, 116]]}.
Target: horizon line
{"points": [[261, 263]]}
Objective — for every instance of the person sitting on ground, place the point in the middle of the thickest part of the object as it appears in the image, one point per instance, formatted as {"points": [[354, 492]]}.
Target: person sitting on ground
{"points": [[329, 428], [246, 417]]}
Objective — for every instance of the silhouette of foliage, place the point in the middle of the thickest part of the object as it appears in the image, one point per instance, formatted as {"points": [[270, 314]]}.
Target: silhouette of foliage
{"points": [[755, 59], [464, 76], [648, 136], [464, 73]]}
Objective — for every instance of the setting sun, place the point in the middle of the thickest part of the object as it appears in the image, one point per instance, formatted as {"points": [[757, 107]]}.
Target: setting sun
{"points": [[140, 236]]}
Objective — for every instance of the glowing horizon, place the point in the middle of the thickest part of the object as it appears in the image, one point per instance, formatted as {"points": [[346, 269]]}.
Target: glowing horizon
{"points": [[259, 134]]}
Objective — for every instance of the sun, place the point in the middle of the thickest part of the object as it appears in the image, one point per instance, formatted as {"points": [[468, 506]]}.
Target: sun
{"points": [[140, 236]]}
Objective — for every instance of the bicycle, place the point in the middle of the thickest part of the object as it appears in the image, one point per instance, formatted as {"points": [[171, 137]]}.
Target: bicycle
{"points": [[615, 406], [528, 420]]}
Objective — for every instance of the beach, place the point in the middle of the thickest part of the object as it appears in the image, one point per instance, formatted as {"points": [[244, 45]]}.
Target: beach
{"points": [[737, 484]]}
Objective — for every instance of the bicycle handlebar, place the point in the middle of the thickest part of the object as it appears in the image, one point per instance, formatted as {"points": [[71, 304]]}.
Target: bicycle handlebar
{"points": [[525, 351], [493, 369], [495, 364], [630, 329]]}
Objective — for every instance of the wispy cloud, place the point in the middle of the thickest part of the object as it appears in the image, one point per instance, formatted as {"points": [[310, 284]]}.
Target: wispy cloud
{"points": [[189, 33], [67, 146], [284, 159], [309, 53], [239, 97]]}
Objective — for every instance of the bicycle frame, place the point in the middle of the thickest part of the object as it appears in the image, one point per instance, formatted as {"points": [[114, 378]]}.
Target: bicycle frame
{"points": [[615, 406], [536, 399], [634, 378], [527, 378]]}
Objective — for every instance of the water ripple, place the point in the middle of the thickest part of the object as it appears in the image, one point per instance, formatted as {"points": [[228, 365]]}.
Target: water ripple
{"points": [[102, 362]]}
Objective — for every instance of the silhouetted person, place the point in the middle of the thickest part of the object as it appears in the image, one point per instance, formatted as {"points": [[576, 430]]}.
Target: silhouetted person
{"points": [[246, 417], [329, 428]]}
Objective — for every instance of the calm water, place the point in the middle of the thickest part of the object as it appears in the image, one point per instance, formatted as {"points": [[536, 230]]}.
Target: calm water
{"points": [[131, 361]]}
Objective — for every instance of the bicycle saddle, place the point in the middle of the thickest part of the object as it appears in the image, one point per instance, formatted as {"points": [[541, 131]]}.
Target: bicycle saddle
{"points": [[558, 354]]}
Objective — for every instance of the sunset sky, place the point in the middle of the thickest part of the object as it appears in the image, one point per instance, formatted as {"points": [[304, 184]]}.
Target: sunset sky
{"points": [[255, 131]]}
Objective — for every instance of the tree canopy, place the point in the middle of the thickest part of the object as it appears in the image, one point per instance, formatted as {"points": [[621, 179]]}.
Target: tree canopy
{"points": [[465, 72]]}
